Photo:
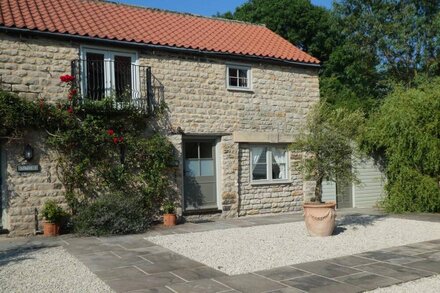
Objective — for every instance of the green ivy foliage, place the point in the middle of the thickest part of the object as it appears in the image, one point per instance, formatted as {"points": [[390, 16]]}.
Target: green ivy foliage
{"points": [[115, 173], [405, 132]]}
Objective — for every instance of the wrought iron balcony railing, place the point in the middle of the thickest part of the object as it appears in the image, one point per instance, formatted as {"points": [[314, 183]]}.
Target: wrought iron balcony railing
{"points": [[125, 83]]}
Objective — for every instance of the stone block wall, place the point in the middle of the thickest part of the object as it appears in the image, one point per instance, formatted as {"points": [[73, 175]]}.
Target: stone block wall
{"points": [[31, 67], [199, 104], [268, 198]]}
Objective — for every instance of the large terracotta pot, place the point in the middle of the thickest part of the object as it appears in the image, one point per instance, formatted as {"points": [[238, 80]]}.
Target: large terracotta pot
{"points": [[169, 220], [320, 218], [51, 229]]}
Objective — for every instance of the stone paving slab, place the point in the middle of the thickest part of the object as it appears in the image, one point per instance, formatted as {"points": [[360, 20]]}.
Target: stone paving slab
{"points": [[132, 264]]}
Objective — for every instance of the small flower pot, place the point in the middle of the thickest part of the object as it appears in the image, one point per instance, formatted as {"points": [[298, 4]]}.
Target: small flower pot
{"points": [[51, 229], [169, 220], [320, 218]]}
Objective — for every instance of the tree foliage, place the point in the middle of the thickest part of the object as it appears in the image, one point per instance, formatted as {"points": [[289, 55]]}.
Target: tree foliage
{"points": [[406, 133], [327, 140], [307, 26]]}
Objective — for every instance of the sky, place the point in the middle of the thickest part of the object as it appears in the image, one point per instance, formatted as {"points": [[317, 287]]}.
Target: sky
{"points": [[201, 7]]}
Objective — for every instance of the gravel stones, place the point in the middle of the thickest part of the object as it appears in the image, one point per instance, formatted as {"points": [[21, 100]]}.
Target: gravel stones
{"points": [[46, 270], [243, 250]]}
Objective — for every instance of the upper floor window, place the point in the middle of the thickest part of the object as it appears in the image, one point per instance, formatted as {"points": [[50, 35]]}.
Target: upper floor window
{"points": [[269, 163], [238, 77], [109, 74]]}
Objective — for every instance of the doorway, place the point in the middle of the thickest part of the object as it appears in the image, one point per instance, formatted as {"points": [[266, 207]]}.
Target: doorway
{"points": [[200, 183]]}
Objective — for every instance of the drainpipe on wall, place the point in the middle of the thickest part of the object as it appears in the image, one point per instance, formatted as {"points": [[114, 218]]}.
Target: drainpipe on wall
{"points": [[37, 229]]}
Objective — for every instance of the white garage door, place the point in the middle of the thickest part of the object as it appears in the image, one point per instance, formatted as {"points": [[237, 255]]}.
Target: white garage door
{"points": [[365, 195], [371, 190]]}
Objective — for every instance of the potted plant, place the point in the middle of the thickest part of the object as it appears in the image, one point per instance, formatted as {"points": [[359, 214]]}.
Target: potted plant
{"points": [[327, 141], [53, 215], [169, 213]]}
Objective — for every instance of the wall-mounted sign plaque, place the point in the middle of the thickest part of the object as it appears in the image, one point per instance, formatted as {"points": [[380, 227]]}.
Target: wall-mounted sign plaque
{"points": [[28, 168]]}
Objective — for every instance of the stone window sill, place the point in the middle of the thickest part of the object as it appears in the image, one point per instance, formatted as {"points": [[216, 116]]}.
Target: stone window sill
{"points": [[277, 182]]}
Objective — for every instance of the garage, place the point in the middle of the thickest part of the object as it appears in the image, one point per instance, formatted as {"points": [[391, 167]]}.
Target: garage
{"points": [[367, 194]]}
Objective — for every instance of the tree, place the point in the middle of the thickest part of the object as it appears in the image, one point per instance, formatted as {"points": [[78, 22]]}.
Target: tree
{"points": [[405, 134], [403, 34], [327, 140], [307, 26]]}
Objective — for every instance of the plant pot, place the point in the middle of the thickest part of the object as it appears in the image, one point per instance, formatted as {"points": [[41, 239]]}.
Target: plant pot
{"points": [[51, 229], [169, 220], [320, 218]]}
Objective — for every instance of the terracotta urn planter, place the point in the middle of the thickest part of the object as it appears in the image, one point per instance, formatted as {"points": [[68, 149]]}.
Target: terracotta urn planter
{"points": [[320, 218], [51, 229], [169, 220]]}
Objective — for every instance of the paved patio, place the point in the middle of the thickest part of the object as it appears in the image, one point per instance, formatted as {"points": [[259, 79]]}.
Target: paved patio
{"points": [[133, 264]]}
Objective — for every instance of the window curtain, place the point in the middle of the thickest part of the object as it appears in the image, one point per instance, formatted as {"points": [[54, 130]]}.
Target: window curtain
{"points": [[279, 158], [256, 155]]}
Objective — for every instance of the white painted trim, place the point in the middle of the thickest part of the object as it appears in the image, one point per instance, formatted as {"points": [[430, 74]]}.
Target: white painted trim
{"points": [[218, 173], [109, 74]]}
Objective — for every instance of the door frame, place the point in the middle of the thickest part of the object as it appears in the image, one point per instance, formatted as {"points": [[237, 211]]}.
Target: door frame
{"points": [[217, 167], [3, 189]]}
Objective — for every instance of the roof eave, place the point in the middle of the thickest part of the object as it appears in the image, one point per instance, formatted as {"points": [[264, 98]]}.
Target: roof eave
{"points": [[157, 47]]}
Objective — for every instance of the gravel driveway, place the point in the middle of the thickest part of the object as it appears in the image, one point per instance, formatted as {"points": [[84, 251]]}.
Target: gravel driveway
{"points": [[243, 250], [46, 270]]}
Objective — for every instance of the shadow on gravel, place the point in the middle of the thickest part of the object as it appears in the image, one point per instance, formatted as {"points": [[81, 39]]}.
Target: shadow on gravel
{"points": [[21, 253], [356, 220]]}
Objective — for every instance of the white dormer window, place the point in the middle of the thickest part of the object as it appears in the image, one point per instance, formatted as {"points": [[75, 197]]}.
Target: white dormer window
{"points": [[238, 77]]}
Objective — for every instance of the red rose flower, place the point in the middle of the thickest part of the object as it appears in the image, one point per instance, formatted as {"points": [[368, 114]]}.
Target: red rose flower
{"points": [[70, 110], [67, 78], [115, 140], [73, 92], [121, 139], [110, 132]]}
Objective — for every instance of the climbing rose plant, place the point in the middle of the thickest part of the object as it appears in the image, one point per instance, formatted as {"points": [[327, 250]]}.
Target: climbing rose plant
{"points": [[116, 177]]}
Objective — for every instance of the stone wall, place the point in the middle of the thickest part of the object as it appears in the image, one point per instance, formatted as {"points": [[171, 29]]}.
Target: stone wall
{"points": [[268, 198], [31, 67], [199, 103]]}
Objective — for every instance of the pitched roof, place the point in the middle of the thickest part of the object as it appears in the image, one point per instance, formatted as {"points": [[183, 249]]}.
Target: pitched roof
{"points": [[113, 21]]}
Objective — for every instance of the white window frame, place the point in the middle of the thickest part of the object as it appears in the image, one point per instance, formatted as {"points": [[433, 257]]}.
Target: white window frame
{"points": [[248, 77], [109, 71], [269, 179]]}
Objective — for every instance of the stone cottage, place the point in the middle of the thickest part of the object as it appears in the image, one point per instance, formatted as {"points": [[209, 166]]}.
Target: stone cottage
{"points": [[236, 92]]}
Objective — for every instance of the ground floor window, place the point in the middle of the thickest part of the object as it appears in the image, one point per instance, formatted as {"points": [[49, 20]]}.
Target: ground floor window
{"points": [[268, 163]]}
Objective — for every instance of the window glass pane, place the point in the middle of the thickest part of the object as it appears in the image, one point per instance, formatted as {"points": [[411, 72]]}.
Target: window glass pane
{"points": [[206, 167], [192, 168], [122, 78], [279, 164], [233, 72], [95, 76], [191, 150], [233, 81], [205, 150], [259, 166], [243, 73], [242, 82]]}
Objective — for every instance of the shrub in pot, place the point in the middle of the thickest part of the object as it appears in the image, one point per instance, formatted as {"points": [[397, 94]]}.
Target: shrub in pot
{"points": [[327, 141], [53, 214], [169, 213]]}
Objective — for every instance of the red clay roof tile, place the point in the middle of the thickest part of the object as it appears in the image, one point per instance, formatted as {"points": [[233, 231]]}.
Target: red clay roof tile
{"points": [[121, 22]]}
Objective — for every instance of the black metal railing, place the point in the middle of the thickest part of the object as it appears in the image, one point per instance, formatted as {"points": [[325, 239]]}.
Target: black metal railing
{"points": [[119, 80]]}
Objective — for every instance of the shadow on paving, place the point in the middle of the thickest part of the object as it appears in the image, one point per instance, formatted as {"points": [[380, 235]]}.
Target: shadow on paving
{"points": [[19, 253], [355, 220]]}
